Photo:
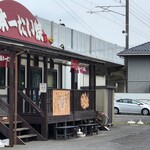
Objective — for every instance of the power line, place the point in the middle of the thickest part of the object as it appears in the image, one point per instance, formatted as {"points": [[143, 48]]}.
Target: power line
{"points": [[97, 13], [140, 14], [79, 4], [136, 16], [142, 11], [140, 19], [78, 18], [133, 29], [108, 45]]}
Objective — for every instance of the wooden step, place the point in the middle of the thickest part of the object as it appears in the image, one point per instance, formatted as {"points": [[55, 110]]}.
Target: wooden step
{"points": [[22, 129], [27, 136], [7, 122]]}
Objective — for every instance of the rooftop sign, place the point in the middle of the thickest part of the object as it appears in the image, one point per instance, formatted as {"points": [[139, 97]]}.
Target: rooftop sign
{"points": [[18, 23]]}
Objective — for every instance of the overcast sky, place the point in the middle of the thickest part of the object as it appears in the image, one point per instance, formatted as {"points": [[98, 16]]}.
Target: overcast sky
{"points": [[85, 16]]}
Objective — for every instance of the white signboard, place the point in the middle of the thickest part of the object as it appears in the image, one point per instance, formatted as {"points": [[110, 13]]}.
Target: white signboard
{"points": [[43, 87]]}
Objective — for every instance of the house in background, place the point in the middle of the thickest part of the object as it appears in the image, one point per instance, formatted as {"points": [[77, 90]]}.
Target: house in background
{"points": [[138, 68]]}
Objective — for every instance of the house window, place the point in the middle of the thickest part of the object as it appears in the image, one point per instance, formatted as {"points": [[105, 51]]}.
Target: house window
{"points": [[2, 76], [22, 77], [36, 76], [52, 78]]}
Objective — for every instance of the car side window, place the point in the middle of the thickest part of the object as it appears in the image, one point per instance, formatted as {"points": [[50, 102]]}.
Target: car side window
{"points": [[130, 101], [125, 101], [119, 100]]}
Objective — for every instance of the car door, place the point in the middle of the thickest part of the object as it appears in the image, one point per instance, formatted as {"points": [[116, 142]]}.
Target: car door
{"points": [[126, 107], [136, 107], [132, 106], [122, 105], [119, 104]]}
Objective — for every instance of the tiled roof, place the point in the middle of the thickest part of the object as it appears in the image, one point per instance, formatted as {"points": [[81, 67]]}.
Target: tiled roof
{"points": [[143, 49]]}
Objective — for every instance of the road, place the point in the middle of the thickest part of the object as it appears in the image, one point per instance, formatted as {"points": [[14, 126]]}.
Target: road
{"points": [[121, 136]]}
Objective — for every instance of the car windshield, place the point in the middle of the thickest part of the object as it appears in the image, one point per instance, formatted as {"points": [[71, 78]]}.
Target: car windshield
{"points": [[135, 102]]}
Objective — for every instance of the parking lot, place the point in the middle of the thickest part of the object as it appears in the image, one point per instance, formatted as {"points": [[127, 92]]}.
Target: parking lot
{"points": [[123, 118], [121, 136]]}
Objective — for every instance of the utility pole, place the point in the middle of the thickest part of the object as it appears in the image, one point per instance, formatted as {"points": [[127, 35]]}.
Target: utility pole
{"points": [[127, 44], [109, 9], [127, 24], [126, 31]]}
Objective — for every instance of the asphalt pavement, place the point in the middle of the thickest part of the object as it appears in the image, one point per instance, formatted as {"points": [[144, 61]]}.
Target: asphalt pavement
{"points": [[121, 136]]}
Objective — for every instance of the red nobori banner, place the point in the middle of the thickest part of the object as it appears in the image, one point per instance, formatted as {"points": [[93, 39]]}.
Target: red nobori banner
{"points": [[77, 68], [74, 64], [4, 60], [83, 69]]}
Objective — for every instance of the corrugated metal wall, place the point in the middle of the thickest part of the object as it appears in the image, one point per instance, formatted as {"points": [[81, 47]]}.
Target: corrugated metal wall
{"points": [[82, 43]]}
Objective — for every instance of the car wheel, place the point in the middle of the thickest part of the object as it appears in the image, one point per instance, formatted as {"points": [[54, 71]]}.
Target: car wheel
{"points": [[116, 110], [145, 111]]}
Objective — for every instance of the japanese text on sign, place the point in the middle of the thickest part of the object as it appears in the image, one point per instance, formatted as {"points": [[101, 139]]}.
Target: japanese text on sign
{"points": [[26, 27]]}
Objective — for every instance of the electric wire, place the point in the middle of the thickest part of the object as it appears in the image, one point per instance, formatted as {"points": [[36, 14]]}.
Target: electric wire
{"points": [[106, 18], [109, 45], [140, 17], [133, 29], [78, 18], [136, 16], [97, 13], [141, 11]]}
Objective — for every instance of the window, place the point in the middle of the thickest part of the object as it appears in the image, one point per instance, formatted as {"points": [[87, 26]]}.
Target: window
{"points": [[52, 78], [125, 101], [119, 100], [130, 101], [22, 77], [36, 76], [2, 76]]}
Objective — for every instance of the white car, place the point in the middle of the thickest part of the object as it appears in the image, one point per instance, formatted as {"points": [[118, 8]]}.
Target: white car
{"points": [[126, 105]]}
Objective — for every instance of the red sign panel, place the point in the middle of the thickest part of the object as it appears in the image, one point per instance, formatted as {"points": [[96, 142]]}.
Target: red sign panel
{"points": [[18, 23]]}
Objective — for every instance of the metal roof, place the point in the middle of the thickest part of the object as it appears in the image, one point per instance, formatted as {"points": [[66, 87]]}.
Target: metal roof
{"points": [[143, 49]]}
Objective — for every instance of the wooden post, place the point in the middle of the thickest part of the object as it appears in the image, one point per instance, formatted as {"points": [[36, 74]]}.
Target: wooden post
{"points": [[92, 82], [16, 96], [74, 77], [28, 81], [11, 98], [60, 76], [19, 102], [15, 101], [44, 125], [92, 77]]}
